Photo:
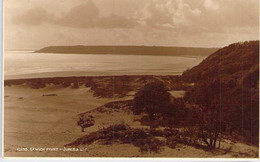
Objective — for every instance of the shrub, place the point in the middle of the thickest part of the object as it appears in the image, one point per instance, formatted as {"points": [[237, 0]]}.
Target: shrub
{"points": [[149, 144], [85, 122], [65, 84], [170, 132], [153, 99], [75, 85], [155, 132], [36, 84], [124, 134], [171, 142]]}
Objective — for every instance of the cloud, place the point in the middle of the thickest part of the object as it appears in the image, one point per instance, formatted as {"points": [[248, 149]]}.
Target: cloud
{"points": [[211, 23], [85, 15], [205, 16], [178, 15], [115, 21], [166, 13], [34, 16], [211, 5]]}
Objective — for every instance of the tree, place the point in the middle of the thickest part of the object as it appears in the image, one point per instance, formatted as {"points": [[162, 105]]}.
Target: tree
{"points": [[85, 122], [207, 95], [153, 99]]}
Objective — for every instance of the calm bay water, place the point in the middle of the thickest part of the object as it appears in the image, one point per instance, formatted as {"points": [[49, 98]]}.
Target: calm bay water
{"points": [[25, 64]]}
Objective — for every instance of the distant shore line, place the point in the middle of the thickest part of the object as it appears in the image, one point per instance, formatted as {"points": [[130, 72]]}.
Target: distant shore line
{"points": [[129, 50], [91, 76], [80, 74]]}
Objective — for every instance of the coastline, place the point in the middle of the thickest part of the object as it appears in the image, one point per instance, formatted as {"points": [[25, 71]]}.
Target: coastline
{"points": [[84, 74], [129, 50]]}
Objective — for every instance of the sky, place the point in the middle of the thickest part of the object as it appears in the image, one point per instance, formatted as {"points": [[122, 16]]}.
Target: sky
{"points": [[34, 24]]}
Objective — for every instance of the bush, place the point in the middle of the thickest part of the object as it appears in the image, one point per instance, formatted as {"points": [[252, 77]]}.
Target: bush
{"points": [[149, 144], [66, 84], [171, 142], [75, 85], [85, 122], [124, 134], [36, 84], [143, 138], [153, 99], [170, 132], [155, 132]]}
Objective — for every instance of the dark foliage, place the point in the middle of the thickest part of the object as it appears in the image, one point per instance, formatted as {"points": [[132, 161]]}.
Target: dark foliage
{"points": [[145, 139], [36, 84], [85, 122], [176, 115], [207, 95], [153, 99], [123, 134], [231, 60], [75, 85], [227, 87]]}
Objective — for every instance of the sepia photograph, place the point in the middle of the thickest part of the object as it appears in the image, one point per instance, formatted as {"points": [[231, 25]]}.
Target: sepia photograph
{"points": [[131, 78]]}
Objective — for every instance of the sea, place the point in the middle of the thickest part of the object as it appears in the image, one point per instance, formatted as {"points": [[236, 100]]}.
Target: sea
{"points": [[27, 64]]}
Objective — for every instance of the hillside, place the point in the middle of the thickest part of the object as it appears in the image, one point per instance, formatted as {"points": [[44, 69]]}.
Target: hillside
{"points": [[228, 81], [238, 60], [129, 50]]}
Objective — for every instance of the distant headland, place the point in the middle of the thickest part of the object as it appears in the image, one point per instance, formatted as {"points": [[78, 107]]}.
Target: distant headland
{"points": [[129, 50]]}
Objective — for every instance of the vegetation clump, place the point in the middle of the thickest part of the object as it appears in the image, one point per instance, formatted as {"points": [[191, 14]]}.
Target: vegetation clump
{"points": [[153, 99], [121, 133], [161, 108], [85, 122], [146, 139]]}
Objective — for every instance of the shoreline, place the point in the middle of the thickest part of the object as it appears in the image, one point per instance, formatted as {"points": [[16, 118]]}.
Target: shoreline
{"points": [[46, 75], [188, 55]]}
